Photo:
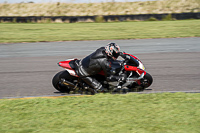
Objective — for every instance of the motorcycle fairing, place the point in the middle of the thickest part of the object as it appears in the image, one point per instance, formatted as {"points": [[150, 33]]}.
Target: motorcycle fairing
{"points": [[67, 64], [133, 68], [132, 56]]}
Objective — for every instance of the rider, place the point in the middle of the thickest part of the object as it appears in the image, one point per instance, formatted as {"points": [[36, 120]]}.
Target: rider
{"points": [[98, 61]]}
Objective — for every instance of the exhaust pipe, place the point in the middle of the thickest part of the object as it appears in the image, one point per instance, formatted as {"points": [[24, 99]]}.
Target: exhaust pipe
{"points": [[67, 83]]}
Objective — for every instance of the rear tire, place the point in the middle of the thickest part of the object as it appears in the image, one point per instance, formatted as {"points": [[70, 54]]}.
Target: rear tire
{"points": [[56, 81]]}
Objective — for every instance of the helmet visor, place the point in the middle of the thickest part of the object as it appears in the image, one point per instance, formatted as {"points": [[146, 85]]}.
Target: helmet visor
{"points": [[116, 55]]}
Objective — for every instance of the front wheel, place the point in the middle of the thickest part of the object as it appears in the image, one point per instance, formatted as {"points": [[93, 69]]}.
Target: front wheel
{"points": [[144, 83], [56, 81], [147, 81]]}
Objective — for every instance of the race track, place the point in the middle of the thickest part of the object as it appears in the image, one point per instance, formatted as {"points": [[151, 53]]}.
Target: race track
{"points": [[27, 69]]}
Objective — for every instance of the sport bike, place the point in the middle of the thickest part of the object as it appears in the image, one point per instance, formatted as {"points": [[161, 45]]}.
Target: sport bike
{"points": [[137, 79]]}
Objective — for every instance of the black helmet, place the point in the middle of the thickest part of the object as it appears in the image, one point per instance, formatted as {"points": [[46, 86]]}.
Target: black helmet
{"points": [[112, 50]]}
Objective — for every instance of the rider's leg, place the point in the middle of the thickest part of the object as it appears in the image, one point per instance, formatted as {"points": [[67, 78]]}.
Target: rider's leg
{"points": [[93, 83]]}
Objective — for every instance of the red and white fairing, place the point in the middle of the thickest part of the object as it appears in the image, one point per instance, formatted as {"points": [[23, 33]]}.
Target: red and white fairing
{"points": [[66, 65], [140, 69]]}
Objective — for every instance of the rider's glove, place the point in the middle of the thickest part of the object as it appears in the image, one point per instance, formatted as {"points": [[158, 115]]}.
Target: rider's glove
{"points": [[122, 55], [125, 56]]}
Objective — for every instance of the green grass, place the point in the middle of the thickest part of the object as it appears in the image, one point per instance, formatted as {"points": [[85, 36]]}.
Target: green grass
{"points": [[103, 113], [97, 31]]}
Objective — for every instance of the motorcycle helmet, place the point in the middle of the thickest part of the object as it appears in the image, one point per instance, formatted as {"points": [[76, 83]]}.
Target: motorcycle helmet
{"points": [[112, 50]]}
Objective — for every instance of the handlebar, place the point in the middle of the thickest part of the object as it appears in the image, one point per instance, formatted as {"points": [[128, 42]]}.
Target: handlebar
{"points": [[128, 58]]}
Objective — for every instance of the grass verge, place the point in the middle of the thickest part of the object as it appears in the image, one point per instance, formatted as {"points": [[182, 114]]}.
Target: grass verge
{"points": [[13, 33], [146, 113]]}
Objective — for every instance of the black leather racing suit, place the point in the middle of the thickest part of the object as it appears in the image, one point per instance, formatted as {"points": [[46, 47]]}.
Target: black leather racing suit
{"points": [[92, 65]]}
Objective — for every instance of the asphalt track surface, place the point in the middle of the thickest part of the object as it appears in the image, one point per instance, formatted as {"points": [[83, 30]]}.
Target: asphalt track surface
{"points": [[26, 69]]}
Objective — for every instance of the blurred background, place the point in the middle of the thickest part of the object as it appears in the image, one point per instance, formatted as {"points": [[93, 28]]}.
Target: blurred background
{"points": [[68, 1], [95, 7]]}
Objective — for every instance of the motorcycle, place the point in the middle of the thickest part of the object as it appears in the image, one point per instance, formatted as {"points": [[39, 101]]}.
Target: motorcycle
{"points": [[137, 78]]}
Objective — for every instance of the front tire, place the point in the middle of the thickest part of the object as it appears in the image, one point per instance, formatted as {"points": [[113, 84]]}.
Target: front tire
{"points": [[147, 81], [56, 81]]}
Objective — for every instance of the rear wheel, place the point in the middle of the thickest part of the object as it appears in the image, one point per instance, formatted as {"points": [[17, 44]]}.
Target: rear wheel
{"points": [[56, 81]]}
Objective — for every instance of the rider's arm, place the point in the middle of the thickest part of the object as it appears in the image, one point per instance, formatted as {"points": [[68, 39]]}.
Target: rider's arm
{"points": [[110, 74], [106, 66]]}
